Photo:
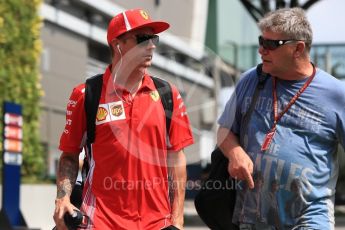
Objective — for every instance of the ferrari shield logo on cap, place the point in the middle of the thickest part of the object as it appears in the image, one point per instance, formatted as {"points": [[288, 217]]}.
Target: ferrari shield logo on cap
{"points": [[144, 14], [154, 95]]}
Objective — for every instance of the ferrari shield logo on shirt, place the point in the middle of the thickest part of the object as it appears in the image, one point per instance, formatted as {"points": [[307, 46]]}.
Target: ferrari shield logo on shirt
{"points": [[154, 95], [117, 111], [102, 114]]}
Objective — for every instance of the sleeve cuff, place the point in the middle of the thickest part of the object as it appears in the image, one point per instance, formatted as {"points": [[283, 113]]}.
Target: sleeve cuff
{"points": [[70, 149], [181, 145]]}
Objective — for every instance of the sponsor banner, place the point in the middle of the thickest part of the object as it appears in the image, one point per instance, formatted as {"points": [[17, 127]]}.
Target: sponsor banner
{"points": [[12, 145], [13, 158], [13, 119], [13, 132]]}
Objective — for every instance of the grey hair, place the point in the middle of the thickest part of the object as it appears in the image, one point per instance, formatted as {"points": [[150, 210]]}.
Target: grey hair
{"points": [[291, 22]]}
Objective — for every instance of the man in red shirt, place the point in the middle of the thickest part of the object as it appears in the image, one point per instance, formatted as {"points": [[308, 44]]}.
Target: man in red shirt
{"points": [[133, 153]]}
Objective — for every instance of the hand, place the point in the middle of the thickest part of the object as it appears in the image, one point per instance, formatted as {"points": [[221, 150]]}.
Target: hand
{"points": [[178, 222], [241, 166], [180, 227], [62, 205], [173, 227]]}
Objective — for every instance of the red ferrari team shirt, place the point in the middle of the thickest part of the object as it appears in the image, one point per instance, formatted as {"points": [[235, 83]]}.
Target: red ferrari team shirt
{"points": [[127, 186]]}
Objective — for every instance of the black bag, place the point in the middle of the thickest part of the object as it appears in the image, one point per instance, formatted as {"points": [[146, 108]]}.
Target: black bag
{"points": [[216, 200]]}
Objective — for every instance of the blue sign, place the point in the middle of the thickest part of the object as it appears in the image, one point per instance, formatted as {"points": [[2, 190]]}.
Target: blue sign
{"points": [[12, 160]]}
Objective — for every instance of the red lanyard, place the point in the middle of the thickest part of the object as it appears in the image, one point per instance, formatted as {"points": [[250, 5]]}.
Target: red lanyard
{"points": [[269, 136]]}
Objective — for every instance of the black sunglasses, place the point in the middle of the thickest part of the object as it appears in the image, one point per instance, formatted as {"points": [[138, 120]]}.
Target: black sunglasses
{"points": [[143, 38], [269, 44]]}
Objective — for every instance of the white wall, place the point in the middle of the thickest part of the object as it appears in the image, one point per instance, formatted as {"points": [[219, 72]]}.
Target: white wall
{"points": [[37, 205]]}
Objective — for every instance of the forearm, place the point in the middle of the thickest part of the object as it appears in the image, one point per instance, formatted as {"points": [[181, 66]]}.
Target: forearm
{"points": [[67, 174], [65, 180], [178, 176], [227, 141], [240, 164]]}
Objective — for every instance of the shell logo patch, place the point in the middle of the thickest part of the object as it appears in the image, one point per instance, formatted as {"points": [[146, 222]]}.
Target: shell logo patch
{"points": [[116, 110], [144, 14], [154, 95], [101, 114]]}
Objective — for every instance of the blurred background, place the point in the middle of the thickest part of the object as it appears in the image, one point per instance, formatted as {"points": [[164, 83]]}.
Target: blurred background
{"points": [[50, 46]]}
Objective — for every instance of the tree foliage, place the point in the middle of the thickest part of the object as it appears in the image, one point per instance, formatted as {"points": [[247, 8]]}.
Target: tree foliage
{"points": [[19, 73], [262, 7]]}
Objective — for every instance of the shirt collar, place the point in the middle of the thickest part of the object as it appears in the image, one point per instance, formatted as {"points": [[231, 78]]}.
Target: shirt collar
{"points": [[147, 83]]}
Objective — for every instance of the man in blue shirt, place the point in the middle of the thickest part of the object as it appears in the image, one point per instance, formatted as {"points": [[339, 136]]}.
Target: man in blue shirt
{"points": [[293, 133]]}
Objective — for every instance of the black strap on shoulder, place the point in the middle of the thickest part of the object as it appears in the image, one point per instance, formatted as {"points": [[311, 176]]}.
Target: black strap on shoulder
{"points": [[164, 90], [93, 89], [262, 76], [261, 84]]}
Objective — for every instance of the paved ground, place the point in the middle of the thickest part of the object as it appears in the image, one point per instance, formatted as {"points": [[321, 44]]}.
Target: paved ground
{"points": [[193, 222], [340, 222], [37, 205], [340, 225]]}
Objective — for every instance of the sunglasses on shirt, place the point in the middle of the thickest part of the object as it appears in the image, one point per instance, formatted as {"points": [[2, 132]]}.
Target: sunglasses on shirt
{"points": [[269, 44], [143, 38]]}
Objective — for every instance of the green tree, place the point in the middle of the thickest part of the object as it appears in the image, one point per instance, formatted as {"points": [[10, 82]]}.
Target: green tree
{"points": [[20, 51]]}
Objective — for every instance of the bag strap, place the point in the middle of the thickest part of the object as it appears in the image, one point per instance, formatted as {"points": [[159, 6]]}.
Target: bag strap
{"points": [[261, 84], [93, 89], [165, 92], [262, 76]]}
